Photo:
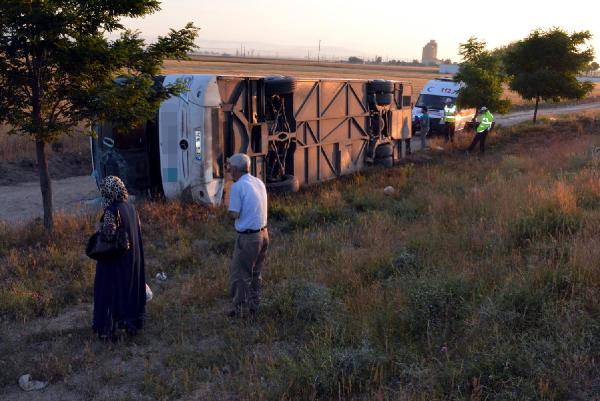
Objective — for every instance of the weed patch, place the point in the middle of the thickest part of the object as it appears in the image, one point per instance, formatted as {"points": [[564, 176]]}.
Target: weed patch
{"points": [[542, 222]]}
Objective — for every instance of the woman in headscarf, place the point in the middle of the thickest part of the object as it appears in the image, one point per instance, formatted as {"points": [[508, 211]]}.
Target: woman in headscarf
{"points": [[120, 283]]}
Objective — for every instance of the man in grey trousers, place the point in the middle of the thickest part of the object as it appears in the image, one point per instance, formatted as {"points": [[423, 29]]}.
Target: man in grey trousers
{"points": [[248, 207], [425, 124]]}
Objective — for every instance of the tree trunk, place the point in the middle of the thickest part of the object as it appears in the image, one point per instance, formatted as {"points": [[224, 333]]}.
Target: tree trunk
{"points": [[45, 184], [535, 111]]}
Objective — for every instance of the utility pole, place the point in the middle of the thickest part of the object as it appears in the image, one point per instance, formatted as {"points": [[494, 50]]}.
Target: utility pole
{"points": [[319, 53]]}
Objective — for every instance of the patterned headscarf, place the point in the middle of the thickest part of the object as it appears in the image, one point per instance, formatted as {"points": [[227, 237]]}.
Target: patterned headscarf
{"points": [[112, 189]]}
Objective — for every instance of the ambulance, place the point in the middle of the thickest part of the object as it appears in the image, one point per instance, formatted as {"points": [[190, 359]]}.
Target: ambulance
{"points": [[434, 96]]}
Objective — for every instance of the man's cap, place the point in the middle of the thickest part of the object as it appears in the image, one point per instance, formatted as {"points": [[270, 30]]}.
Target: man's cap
{"points": [[483, 108]]}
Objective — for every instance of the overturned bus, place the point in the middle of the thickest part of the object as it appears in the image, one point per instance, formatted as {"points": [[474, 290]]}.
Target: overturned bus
{"points": [[297, 132]]}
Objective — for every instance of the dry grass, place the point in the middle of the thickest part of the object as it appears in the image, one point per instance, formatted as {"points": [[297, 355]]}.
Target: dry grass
{"points": [[14, 148], [477, 279]]}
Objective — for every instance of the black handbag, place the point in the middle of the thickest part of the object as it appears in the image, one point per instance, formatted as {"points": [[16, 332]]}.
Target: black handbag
{"points": [[99, 248]]}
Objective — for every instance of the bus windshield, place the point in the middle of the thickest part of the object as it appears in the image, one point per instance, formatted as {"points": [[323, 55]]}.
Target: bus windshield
{"points": [[130, 139], [433, 101]]}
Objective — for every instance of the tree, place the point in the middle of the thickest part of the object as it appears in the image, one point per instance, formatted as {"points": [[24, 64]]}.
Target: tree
{"points": [[545, 65], [57, 69], [481, 72], [355, 60], [594, 66]]}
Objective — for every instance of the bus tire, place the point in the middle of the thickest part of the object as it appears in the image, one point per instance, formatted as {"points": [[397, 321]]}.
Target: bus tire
{"points": [[386, 162], [384, 99], [279, 85], [380, 86], [384, 150], [287, 184]]}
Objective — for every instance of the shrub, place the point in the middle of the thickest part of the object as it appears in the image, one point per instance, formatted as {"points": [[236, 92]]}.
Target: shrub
{"points": [[437, 307], [512, 166], [300, 301], [364, 201], [323, 370], [544, 221], [305, 216], [408, 210], [403, 262]]}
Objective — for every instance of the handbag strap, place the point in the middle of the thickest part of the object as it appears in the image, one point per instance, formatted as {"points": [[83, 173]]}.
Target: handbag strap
{"points": [[118, 221], [115, 211]]}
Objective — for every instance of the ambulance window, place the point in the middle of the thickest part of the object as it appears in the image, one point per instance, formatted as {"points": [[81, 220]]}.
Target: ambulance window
{"points": [[431, 101]]}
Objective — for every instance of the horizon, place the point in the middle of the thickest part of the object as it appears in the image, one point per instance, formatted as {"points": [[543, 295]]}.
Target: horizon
{"points": [[339, 25]]}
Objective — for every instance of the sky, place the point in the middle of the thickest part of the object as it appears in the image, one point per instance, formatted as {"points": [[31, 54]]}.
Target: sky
{"points": [[389, 28]]}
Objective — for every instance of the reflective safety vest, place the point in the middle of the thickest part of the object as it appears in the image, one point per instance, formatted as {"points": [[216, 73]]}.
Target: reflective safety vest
{"points": [[486, 122], [449, 114]]}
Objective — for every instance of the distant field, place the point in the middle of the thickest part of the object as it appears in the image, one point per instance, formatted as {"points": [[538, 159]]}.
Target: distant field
{"points": [[418, 76], [67, 158]]}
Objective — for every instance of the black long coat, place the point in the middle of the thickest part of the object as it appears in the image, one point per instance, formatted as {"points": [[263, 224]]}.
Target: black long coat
{"points": [[120, 283]]}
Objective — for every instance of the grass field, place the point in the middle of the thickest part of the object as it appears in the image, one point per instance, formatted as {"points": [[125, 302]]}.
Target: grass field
{"points": [[477, 280]]}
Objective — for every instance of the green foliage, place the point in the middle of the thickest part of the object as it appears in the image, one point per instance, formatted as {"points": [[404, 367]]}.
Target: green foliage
{"points": [[323, 370], [437, 307], [305, 216], [473, 50], [545, 65], [481, 71], [57, 66], [57, 69], [301, 301]]}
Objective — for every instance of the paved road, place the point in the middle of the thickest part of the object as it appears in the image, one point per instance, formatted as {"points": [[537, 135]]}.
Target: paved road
{"points": [[24, 201], [527, 115]]}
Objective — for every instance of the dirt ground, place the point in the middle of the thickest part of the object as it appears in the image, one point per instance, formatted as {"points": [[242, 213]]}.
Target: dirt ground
{"points": [[73, 323]]}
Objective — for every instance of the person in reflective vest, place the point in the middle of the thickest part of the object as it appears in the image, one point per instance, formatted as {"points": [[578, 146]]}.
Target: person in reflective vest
{"points": [[449, 120], [485, 125], [425, 122]]}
